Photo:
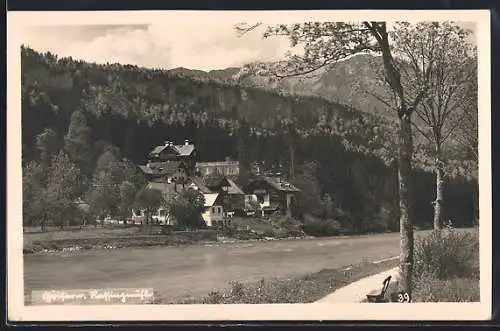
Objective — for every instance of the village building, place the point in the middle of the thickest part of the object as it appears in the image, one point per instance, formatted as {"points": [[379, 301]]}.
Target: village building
{"points": [[231, 194], [186, 153], [214, 210], [215, 201], [160, 216], [226, 168], [169, 171], [272, 193], [172, 168]]}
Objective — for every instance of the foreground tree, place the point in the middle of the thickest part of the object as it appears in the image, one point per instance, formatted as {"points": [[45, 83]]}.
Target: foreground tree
{"points": [[325, 43], [468, 137], [450, 85]]}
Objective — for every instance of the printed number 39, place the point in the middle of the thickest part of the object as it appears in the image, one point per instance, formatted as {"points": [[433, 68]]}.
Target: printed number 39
{"points": [[403, 297]]}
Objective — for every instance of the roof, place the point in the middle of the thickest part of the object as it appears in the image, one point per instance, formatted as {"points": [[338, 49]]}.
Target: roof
{"points": [[159, 149], [233, 188], [210, 199], [280, 185], [198, 183], [203, 186], [182, 150], [161, 168]]}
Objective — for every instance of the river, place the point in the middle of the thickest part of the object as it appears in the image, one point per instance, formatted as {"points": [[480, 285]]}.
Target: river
{"points": [[198, 269]]}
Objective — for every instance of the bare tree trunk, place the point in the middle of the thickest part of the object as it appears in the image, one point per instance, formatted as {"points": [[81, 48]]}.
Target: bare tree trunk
{"points": [[404, 161], [438, 204], [405, 219]]}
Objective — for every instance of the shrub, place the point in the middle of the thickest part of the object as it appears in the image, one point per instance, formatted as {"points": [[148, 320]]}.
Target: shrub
{"points": [[430, 289], [286, 223], [268, 233], [213, 297], [318, 227], [237, 289], [447, 253], [228, 231]]}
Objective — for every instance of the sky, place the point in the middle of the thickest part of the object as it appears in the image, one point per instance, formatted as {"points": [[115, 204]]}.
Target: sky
{"points": [[194, 46]]}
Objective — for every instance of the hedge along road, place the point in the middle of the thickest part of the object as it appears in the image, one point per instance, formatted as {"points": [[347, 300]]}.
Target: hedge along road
{"points": [[198, 269]]}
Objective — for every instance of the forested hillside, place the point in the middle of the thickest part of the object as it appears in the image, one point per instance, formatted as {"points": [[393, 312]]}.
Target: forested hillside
{"points": [[340, 154]]}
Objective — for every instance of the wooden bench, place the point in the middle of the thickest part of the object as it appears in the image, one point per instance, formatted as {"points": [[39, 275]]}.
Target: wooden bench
{"points": [[380, 298]]}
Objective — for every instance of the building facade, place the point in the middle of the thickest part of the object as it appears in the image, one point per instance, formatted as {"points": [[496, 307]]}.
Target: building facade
{"points": [[213, 214], [272, 194], [226, 168], [184, 153]]}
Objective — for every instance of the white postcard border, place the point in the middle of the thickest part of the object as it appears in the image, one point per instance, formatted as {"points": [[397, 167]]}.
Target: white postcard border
{"points": [[415, 311]]}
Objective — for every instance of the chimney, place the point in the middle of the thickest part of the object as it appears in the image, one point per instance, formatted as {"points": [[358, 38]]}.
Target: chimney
{"points": [[148, 165], [186, 142], [167, 143]]}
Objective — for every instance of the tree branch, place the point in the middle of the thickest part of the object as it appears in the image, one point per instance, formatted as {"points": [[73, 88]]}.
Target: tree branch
{"points": [[244, 28]]}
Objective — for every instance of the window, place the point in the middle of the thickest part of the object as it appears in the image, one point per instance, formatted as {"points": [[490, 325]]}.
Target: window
{"points": [[213, 210], [162, 212]]}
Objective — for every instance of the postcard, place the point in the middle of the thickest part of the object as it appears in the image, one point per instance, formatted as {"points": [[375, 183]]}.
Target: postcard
{"points": [[249, 165]]}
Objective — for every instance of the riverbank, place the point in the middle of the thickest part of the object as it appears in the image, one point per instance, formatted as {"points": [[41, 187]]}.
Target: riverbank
{"points": [[71, 241], [301, 289], [446, 270], [76, 240]]}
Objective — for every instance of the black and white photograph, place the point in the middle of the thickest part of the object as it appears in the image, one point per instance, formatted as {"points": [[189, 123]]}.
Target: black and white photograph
{"points": [[249, 165]]}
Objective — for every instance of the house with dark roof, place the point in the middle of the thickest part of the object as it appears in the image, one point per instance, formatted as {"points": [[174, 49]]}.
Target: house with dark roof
{"points": [[231, 195], [172, 152], [273, 193], [213, 214], [167, 171]]}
